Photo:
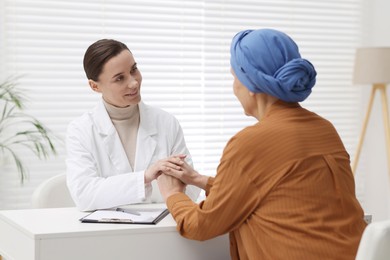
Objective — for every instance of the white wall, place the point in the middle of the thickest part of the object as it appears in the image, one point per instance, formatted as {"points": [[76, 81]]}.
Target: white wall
{"points": [[373, 164]]}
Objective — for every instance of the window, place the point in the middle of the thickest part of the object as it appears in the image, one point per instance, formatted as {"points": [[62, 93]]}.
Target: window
{"points": [[182, 50]]}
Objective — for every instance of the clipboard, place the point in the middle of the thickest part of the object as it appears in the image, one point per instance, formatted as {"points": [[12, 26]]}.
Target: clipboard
{"points": [[149, 216]]}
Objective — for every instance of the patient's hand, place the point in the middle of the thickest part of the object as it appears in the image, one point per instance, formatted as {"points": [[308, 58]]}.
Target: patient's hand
{"points": [[158, 167], [187, 174], [169, 185]]}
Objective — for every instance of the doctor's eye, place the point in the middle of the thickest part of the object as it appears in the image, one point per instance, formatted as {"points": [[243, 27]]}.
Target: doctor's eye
{"points": [[133, 70], [120, 78]]}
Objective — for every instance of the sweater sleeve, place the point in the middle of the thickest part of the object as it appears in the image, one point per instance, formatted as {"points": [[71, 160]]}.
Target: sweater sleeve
{"points": [[209, 184], [231, 200]]}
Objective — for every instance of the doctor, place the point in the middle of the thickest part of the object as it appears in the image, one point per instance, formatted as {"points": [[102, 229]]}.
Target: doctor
{"points": [[116, 151]]}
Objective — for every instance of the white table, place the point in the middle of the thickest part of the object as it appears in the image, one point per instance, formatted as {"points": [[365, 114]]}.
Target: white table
{"points": [[57, 234]]}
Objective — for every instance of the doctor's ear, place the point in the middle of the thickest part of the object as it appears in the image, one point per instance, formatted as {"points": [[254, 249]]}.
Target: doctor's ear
{"points": [[94, 85]]}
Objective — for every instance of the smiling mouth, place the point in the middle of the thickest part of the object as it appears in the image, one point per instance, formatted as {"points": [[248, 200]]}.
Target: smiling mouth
{"points": [[132, 94]]}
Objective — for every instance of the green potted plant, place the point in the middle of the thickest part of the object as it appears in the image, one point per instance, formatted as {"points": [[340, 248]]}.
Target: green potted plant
{"points": [[19, 129]]}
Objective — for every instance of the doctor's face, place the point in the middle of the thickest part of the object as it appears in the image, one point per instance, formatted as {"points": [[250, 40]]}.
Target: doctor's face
{"points": [[120, 81]]}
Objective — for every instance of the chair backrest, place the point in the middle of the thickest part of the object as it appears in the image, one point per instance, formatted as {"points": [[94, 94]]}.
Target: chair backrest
{"points": [[52, 193], [375, 242]]}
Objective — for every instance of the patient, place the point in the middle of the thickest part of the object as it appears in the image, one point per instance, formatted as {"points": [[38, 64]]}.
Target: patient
{"points": [[284, 187]]}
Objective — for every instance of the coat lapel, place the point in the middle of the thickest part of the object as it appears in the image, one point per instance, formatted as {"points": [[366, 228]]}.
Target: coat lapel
{"points": [[111, 140], [146, 140]]}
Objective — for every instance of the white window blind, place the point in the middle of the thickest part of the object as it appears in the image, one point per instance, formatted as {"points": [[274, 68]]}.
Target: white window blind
{"points": [[182, 49]]}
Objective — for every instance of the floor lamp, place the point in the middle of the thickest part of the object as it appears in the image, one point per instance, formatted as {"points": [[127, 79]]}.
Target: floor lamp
{"points": [[372, 67]]}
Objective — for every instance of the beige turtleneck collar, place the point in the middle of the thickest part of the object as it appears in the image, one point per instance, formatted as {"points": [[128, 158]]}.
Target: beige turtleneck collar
{"points": [[126, 122]]}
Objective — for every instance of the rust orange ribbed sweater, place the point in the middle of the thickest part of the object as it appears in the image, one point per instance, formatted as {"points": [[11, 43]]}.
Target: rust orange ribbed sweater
{"points": [[283, 190]]}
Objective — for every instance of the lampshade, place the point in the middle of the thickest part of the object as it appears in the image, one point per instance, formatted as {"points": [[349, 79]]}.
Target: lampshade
{"points": [[372, 65]]}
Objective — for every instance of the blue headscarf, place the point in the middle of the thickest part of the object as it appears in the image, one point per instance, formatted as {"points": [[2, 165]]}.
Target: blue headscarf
{"points": [[268, 61]]}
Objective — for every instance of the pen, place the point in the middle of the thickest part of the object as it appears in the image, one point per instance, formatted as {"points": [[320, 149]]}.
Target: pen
{"points": [[130, 211], [110, 220]]}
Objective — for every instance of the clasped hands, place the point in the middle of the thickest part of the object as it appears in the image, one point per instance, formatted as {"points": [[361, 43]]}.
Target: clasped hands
{"points": [[172, 174]]}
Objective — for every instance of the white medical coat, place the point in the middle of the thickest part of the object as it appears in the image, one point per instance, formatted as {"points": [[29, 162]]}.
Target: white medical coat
{"points": [[99, 174]]}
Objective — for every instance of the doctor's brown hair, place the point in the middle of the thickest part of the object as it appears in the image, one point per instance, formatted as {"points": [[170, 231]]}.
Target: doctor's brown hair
{"points": [[98, 54]]}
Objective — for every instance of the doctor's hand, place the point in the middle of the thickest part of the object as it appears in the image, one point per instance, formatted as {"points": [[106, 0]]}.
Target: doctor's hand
{"points": [[162, 165], [187, 174], [169, 185]]}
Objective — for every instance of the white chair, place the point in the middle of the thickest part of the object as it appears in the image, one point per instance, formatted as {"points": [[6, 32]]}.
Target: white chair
{"points": [[375, 242], [52, 193]]}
